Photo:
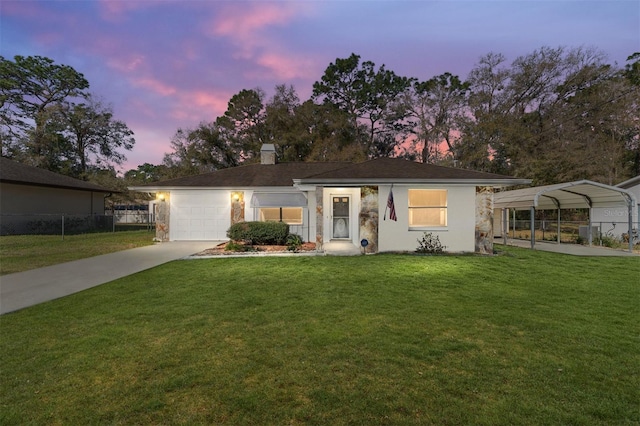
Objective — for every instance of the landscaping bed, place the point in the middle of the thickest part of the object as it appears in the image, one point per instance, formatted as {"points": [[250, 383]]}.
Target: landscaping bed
{"points": [[221, 249]]}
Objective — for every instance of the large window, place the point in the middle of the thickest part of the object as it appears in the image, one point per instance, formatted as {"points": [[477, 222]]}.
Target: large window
{"points": [[427, 207], [288, 215]]}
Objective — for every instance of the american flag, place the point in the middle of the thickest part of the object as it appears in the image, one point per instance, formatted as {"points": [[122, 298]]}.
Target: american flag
{"points": [[391, 206]]}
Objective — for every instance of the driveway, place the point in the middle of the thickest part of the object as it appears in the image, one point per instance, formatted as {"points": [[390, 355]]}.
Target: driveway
{"points": [[29, 288], [572, 249]]}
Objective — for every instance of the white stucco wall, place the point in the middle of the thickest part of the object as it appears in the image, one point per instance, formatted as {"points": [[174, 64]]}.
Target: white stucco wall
{"points": [[26, 199], [457, 236]]}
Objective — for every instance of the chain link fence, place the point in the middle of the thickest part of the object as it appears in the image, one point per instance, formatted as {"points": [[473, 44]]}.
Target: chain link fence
{"points": [[68, 224], [576, 232]]}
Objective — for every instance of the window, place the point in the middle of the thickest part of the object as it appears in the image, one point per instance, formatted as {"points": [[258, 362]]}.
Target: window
{"points": [[427, 207], [288, 215]]}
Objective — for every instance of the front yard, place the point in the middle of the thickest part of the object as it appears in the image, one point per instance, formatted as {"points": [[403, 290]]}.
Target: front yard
{"points": [[20, 253], [519, 338]]}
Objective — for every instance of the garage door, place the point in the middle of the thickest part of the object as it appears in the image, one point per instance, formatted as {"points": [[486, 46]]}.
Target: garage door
{"points": [[200, 215]]}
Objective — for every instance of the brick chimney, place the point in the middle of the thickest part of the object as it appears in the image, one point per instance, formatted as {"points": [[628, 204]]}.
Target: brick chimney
{"points": [[268, 154]]}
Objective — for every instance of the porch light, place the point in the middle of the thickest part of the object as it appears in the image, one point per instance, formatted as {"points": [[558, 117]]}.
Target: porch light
{"points": [[161, 196]]}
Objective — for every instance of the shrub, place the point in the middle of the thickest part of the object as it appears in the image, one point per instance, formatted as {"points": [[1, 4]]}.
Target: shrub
{"points": [[430, 244], [607, 241], [294, 241], [233, 246], [259, 232]]}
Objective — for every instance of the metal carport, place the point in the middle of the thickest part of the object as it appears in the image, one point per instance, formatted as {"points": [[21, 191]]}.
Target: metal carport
{"points": [[571, 195]]}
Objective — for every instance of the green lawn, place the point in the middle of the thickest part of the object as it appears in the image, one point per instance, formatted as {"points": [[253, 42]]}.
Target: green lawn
{"points": [[23, 252], [519, 338]]}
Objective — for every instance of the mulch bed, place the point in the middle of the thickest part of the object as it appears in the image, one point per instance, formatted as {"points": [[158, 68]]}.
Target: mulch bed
{"points": [[220, 250]]}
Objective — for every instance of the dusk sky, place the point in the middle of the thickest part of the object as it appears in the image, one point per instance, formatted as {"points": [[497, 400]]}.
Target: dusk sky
{"points": [[165, 65]]}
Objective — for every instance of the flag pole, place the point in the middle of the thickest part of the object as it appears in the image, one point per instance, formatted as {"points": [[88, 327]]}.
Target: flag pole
{"points": [[387, 204]]}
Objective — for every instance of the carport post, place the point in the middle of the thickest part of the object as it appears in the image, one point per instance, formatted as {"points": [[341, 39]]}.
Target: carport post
{"points": [[533, 227], [629, 209], [558, 225], [505, 225], [589, 230]]}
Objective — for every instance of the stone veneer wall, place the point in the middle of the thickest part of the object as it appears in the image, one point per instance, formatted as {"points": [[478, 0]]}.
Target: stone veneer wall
{"points": [[162, 218], [484, 220], [319, 218], [369, 217], [237, 207]]}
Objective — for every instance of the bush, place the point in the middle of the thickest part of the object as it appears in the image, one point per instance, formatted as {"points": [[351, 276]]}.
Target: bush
{"points": [[274, 233], [294, 241], [430, 244], [607, 241], [233, 246]]}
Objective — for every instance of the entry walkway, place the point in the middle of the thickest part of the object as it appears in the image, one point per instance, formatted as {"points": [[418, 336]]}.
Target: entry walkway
{"points": [[341, 248], [29, 288], [573, 249]]}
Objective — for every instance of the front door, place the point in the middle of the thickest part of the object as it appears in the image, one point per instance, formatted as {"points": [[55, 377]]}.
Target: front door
{"points": [[340, 212]]}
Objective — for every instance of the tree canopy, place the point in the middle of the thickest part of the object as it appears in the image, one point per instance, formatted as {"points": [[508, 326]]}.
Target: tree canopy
{"points": [[49, 119], [551, 115]]}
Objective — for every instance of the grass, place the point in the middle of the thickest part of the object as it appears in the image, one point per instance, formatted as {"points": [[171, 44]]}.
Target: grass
{"points": [[23, 252], [520, 338]]}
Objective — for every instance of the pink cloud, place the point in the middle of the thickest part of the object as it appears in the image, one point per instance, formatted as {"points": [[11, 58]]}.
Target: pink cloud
{"points": [[128, 63], [287, 67], [154, 85], [207, 100], [199, 105], [116, 10], [241, 21], [245, 24]]}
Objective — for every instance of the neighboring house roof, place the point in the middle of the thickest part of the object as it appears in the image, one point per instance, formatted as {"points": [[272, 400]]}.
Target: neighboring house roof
{"points": [[629, 183], [381, 170], [22, 174], [395, 170]]}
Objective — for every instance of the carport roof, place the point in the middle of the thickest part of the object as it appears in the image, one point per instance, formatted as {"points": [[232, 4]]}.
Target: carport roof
{"points": [[570, 195]]}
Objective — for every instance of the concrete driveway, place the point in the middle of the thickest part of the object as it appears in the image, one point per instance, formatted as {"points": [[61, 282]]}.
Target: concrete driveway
{"points": [[572, 249], [29, 288]]}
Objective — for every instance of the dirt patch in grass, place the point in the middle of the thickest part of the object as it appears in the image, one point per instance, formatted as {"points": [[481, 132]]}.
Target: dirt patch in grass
{"points": [[220, 249]]}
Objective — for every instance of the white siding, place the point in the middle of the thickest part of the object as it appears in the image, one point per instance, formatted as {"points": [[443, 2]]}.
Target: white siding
{"points": [[615, 220]]}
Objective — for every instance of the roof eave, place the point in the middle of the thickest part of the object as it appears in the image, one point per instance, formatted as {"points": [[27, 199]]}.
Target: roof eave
{"points": [[44, 185], [412, 181]]}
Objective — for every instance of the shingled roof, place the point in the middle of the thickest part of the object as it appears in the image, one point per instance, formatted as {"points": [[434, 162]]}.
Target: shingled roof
{"points": [[281, 174], [399, 170], [380, 170], [22, 174]]}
